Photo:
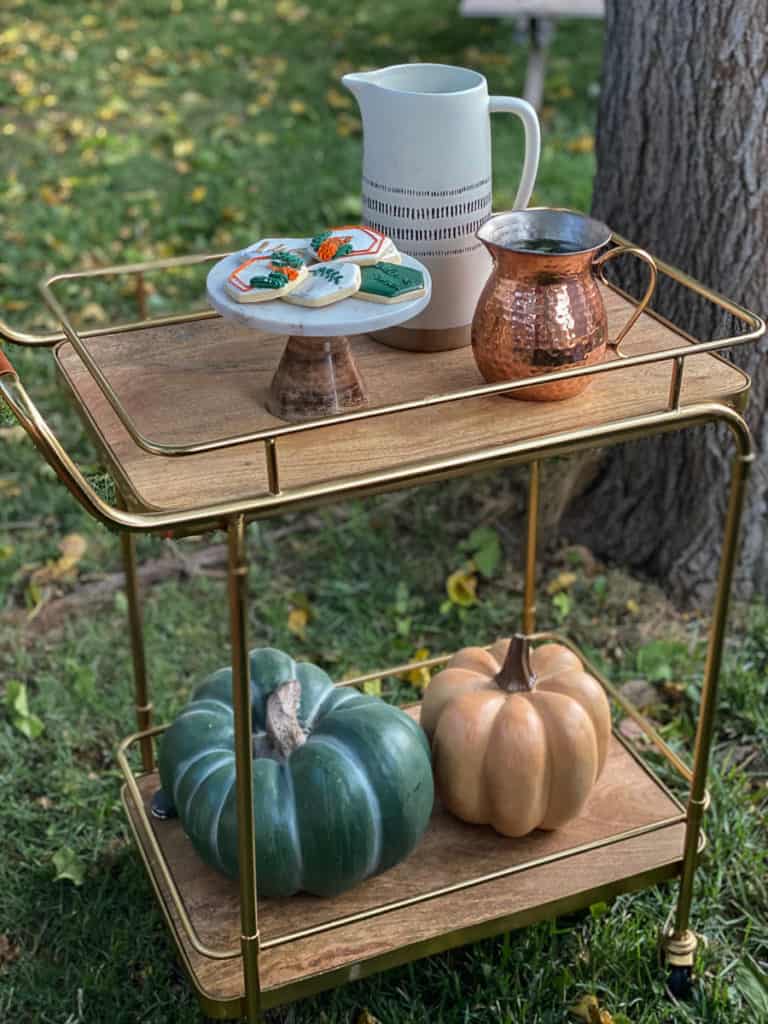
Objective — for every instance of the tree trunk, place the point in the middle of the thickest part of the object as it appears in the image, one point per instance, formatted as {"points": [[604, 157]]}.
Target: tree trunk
{"points": [[682, 154]]}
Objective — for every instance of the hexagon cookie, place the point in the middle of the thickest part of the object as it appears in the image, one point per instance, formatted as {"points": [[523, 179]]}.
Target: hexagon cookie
{"points": [[326, 283], [387, 282], [353, 243], [262, 278]]}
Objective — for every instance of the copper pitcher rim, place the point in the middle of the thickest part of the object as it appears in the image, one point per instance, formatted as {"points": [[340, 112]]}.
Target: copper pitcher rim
{"points": [[601, 232]]}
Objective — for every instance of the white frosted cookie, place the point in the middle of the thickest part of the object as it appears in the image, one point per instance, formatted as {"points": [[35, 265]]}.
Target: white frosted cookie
{"points": [[390, 254], [353, 243], [262, 278], [388, 282], [326, 283], [268, 246]]}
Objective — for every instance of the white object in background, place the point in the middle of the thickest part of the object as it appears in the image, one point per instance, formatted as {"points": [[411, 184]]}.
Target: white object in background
{"points": [[427, 179]]}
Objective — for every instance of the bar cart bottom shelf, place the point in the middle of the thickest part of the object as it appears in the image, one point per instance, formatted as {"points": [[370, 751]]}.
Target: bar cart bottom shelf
{"points": [[629, 836]]}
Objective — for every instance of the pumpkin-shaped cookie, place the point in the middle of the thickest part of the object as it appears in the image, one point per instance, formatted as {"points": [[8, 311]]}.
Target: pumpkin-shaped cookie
{"points": [[517, 741], [342, 781]]}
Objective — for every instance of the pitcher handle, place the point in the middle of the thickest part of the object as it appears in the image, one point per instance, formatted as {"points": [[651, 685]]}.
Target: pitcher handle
{"points": [[526, 113], [621, 250]]}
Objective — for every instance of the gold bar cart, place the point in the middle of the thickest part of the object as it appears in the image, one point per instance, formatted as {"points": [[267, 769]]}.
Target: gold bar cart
{"points": [[144, 389]]}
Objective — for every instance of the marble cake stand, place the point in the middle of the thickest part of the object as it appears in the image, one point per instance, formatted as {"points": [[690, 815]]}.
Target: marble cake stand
{"points": [[317, 375]]}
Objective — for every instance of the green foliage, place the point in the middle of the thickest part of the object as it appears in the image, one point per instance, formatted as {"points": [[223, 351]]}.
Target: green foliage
{"points": [[104, 486], [661, 660], [484, 548], [7, 419], [562, 604], [68, 866], [17, 704]]}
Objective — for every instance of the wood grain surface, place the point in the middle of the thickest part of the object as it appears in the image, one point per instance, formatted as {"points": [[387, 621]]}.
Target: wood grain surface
{"points": [[625, 798], [189, 382]]}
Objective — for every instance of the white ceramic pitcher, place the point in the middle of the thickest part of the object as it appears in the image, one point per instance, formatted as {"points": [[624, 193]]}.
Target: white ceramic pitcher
{"points": [[427, 183]]}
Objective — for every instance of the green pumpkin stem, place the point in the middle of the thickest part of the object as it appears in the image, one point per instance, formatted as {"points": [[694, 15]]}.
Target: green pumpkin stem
{"points": [[282, 720], [516, 674]]}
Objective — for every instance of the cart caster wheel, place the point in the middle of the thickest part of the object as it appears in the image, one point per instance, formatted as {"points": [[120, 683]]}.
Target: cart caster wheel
{"points": [[162, 807], [680, 982]]}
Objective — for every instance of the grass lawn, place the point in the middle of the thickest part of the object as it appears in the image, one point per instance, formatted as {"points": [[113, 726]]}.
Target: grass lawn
{"points": [[150, 128]]}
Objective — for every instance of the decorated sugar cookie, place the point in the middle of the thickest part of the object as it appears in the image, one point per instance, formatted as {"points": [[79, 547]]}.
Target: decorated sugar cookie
{"points": [[326, 283], [388, 282], [353, 244], [269, 246], [262, 278]]}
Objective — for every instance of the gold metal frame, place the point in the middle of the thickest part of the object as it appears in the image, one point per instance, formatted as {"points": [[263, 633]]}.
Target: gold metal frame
{"points": [[233, 515]]}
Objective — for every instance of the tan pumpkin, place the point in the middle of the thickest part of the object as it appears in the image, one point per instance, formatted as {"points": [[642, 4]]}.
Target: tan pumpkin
{"points": [[518, 739]]}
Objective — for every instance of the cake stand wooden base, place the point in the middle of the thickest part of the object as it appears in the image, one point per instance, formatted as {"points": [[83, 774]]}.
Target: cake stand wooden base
{"points": [[316, 377]]}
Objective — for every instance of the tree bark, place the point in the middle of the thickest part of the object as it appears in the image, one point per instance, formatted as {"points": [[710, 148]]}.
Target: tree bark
{"points": [[682, 169]]}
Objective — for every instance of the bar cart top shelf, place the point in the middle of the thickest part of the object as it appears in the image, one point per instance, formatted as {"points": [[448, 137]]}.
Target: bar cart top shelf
{"points": [[185, 383]]}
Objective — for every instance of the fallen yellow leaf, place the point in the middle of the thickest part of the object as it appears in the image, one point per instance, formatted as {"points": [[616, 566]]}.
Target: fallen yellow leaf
{"points": [[9, 488], [583, 144], [198, 194], [366, 1017], [290, 11], [563, 581], [419, 677], [348, 124], [338, 100], [72, 548], [12, 435], [588, 1009], [372, 687], [585, 1008], [93, 311], [633, 607], [461, 586], [297, 622], [297, 107], [183, 147]]}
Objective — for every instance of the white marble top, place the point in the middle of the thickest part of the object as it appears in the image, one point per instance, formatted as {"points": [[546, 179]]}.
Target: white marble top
{"points": [[349, 316]]}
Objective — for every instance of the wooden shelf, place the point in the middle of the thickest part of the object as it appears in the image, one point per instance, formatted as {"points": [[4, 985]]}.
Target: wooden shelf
{"points": [[185, 383], [627, 799]]}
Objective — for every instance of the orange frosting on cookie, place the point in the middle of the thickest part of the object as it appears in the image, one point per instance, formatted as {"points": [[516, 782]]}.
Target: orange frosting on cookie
{"points": [[331, 246]]}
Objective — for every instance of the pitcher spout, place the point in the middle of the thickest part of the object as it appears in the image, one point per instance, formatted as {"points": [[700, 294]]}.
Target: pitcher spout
{"points": [[358, 81]]}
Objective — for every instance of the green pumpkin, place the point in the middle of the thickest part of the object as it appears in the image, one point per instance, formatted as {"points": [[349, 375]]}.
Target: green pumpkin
{"points": [[342, 781]]}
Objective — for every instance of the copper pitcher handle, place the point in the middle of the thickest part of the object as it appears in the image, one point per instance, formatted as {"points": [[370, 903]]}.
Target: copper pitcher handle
{"points": [[621, 250]]}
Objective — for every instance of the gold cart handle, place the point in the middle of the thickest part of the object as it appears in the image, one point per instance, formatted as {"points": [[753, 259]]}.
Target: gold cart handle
{"points": [[621, 250], [14, 395]]}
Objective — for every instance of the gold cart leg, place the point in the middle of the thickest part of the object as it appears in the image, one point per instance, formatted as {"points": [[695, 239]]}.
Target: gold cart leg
{"points": [[680, 942], [532, 530], [141, 690], [241, 701]]}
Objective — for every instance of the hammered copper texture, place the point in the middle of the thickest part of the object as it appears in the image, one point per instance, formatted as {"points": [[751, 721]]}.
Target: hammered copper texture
{"points": [[538, 314]]}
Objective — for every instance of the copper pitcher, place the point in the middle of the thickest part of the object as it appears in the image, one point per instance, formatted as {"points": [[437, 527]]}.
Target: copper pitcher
{"points": [[541, 309]]}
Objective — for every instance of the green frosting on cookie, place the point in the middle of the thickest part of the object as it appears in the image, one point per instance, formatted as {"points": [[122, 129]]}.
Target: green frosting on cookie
{"points": [[287, 259], [390, 280], [343, 250], [317, 240], [329, 273], [274, 279]]}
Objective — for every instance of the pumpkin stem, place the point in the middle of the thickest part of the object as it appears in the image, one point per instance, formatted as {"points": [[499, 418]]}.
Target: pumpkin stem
{"points": [[282, 718], [516, 674]]}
